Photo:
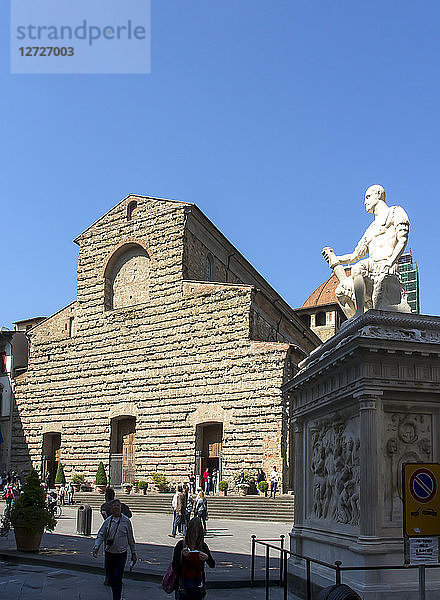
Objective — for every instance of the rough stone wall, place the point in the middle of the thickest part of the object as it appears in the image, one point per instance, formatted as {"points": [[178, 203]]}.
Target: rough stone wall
{"points": [[195, 257], [183, 357]]}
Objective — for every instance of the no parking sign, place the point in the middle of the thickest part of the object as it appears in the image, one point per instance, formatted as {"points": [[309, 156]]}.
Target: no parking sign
{"points": [[421, 500]]}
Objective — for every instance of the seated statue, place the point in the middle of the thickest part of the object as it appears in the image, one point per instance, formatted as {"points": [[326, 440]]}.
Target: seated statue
{"points": [[374, 282]]}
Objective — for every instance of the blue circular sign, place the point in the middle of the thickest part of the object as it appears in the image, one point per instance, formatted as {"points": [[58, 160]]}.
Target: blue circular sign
{"points": [[423, 485]]}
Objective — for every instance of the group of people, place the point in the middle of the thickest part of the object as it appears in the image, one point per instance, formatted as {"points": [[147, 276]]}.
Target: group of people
{"points": [[209, 481], [66, 493], [10, 486], [274, 479], [189, 555], [186, 504]]}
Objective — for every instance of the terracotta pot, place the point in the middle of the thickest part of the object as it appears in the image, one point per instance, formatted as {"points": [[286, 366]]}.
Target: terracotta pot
{"points": [[100, 489], [77, 487], [27, 542], [223, 493]]}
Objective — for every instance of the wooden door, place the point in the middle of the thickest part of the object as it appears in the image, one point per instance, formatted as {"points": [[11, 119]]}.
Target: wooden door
{"points": [[128, 461]]}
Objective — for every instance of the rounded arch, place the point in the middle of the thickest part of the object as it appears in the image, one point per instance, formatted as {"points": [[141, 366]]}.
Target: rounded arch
{"points": [[52, 428], [209, 268], [127, 275], [123, 409], [209, 413], [132, 208]]}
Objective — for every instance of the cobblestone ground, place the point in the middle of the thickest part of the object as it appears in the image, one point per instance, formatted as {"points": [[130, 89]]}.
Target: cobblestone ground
{"points": [[25, 582]]}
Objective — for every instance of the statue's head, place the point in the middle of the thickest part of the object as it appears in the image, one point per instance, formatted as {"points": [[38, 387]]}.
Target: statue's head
{"points": [[373, 195]]}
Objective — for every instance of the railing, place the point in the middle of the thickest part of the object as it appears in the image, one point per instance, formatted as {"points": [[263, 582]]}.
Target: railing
{"points": [[336, 567]]}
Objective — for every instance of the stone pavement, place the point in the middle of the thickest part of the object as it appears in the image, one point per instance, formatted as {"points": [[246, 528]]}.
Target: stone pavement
{"points": [[229, 542], [32, 582]]}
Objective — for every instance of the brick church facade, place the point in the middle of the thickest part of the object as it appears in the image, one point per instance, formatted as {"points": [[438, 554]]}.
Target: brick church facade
{"points": [[171, 358]]}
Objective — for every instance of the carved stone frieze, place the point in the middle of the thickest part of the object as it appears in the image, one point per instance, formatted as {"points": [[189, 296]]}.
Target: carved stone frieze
{"points": [[407, 438], [335, 464]]}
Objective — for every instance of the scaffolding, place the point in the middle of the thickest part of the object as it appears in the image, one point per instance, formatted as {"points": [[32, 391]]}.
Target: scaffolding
{"points": [[409, 274]]}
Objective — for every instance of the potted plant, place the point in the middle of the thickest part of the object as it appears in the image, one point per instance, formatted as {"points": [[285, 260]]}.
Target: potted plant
{"points": [[143, 486], [78, 479], [135, 485], [59, 477], [127, 487], [245, 483], [101, 479], [223, 488], [160, 481], [30, 515], [262, 488]]}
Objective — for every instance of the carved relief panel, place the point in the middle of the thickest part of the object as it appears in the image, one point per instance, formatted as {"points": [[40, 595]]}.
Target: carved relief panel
{"points": [[335, 466], [407, 438]]}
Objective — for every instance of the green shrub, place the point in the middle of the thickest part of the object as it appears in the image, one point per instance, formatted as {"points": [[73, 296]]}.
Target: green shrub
{"points": [[263, 486], [143, 485], [223, 486], [101, 477], [78, 478], [160, 480], [249, 477], [59, 477], [30, 510]]}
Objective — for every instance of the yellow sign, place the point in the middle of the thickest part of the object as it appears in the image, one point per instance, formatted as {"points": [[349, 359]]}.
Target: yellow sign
{"points": [[421, 499]]}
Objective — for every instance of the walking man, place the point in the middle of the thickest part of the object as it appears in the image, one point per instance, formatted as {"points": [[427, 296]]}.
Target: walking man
{"points": [[180, 512], [117, 534], [274, 479]]}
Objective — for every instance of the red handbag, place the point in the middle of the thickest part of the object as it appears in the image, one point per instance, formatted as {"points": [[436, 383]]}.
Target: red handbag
{"points": [[169, 581]]}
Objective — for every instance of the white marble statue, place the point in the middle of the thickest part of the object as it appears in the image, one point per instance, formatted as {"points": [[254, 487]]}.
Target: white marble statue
{"points": [[374, 282]]}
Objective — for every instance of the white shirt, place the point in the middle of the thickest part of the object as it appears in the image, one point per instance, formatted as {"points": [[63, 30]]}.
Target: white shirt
{"points": [[174, 502], [275, 476], [120, 531]]}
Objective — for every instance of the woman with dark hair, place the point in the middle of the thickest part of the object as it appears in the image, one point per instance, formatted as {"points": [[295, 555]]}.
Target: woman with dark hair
{"points": [[190, 555], [201, 509]]}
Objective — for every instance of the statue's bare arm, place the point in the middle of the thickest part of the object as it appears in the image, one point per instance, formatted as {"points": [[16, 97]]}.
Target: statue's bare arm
{"points": [[359, 252], [402, 231]]}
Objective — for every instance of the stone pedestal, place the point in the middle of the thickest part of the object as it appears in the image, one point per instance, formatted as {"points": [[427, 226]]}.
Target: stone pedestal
{"points": [[364, 403]]}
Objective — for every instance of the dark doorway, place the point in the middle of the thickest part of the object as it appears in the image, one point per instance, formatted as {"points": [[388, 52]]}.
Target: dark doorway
{"points": [[209, 437], [51, 456], [122, 451]]}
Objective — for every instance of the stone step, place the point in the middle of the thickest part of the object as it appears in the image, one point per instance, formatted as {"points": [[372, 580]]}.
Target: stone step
{"points": [[249, 508]]}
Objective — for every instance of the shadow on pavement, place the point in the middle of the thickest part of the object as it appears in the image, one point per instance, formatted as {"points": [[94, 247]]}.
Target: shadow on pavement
{"points": [[74, 552]]}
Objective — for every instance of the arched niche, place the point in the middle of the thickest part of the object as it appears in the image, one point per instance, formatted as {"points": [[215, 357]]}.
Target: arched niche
{"points": [[127, 276]]}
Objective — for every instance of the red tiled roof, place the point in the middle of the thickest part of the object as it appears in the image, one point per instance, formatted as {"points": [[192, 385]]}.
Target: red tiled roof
{"points": [[324, 293]]}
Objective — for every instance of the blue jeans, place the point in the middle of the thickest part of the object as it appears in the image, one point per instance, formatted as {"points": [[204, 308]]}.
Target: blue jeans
{"points": [[115, 568], [273, 488]]}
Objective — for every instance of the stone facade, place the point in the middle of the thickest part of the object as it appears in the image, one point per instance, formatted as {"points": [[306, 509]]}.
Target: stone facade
{"points": [[150, 353]]}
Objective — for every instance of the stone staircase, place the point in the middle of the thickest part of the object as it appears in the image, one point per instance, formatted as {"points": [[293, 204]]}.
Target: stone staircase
{"points": [[245, 508]]}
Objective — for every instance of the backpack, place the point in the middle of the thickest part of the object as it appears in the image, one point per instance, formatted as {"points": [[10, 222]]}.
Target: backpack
{"points": [[191, 582]]}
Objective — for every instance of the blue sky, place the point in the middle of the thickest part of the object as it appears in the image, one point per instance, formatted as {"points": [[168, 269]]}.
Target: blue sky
{"points": [[272, 116]]}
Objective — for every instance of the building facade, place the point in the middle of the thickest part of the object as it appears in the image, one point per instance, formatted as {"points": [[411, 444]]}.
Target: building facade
{"points": [[13, 362], [321, 311], [171, 359]]}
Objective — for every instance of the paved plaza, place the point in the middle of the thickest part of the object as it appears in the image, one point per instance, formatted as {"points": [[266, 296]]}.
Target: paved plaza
{"points": [[31, 582], [65, 569]]}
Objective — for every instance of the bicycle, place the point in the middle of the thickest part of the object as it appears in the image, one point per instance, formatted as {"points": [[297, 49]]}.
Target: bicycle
{"points": [[56, 510]]}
